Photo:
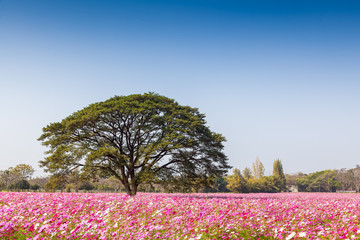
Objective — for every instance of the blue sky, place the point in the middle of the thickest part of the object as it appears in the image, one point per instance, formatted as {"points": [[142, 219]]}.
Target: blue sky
{"points": [[279, 79]]}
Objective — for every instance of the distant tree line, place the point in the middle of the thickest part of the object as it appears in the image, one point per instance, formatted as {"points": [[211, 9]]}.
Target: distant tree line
{"points": [[321, 181], [349, 179], [253, 180], [343, 180], [19, 178]]}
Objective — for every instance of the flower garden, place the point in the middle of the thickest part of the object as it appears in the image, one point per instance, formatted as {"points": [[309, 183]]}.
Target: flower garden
{"points": [[179, 216]]}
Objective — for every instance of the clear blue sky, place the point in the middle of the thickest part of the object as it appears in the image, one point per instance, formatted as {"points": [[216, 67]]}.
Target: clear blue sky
{"points": [[279, 79]]}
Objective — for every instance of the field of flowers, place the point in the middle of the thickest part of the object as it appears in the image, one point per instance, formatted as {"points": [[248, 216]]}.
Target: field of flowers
{"points": [[179, 216]]}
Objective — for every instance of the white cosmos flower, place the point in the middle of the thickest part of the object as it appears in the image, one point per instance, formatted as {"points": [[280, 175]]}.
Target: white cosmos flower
{"points": [[36, 225], [291, 236]]}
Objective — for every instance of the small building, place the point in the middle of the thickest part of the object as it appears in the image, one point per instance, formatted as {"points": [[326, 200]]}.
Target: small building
{"points": [[293, 188]]}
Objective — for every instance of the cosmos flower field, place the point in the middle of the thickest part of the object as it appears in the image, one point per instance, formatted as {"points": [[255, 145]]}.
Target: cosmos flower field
{"points": [[179, 216]]}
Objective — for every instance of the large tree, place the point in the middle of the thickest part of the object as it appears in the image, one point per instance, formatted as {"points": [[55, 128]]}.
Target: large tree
{"points": [[136, 138]]}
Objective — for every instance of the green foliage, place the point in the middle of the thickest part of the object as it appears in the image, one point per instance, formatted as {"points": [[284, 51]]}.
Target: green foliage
{"points": [[87, 186], [69, 187], [20, 185], [256, 185], [8, 178], [247, 182], [269, 184], [185, 184], [25, 171], [38, 181], [35, 187], [219, 185], [108, 184], [136, 138], [236, 182], [11, 178], [55, 182], [323, 181], [247, 173], [278, 172]]}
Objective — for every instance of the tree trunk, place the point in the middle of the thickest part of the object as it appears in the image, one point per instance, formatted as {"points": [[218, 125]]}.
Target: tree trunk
{"points": [[127, 188], [133, 190]]}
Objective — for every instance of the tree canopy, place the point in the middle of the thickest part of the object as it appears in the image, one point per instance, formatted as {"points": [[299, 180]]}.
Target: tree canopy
{"points": [[16, 177], [25, 171], [136, 138], [236, 182], [322, 181], [279, 173], [258, 168]]}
